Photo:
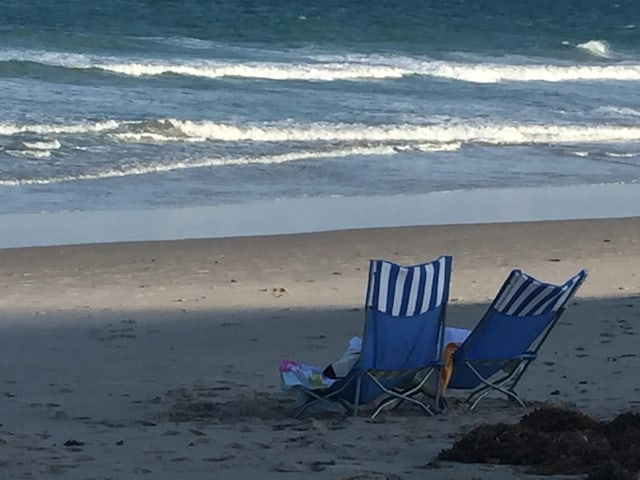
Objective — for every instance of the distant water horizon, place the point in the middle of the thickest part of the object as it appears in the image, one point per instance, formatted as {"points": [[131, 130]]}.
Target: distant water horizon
{"points": [[131, 105]]}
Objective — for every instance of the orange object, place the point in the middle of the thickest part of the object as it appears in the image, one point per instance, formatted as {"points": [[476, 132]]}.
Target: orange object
{"points": [[447, 360]]}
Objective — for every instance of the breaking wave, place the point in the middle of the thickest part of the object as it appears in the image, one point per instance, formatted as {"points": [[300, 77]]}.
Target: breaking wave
{"points": [[597, 48], [35, 154], [621, 155], [8, 129], [468, 72], [619, 111], [451, 133], [345, 68], [155, 167], [42, 145], [496, 134], [32, 149]]}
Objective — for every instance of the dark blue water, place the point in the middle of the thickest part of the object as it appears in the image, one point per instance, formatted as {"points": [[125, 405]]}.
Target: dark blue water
{"points": [[142, 104]]}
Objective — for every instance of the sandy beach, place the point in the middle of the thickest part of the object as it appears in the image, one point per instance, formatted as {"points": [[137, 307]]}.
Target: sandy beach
{"points": [[160, 359]]}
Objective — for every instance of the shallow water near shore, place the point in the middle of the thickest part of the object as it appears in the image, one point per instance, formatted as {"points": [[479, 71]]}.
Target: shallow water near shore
{"points": [[321, 214]]}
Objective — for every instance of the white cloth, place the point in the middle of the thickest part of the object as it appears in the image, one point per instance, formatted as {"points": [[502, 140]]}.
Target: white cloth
{"points": [[455, 335], [343, 365]]}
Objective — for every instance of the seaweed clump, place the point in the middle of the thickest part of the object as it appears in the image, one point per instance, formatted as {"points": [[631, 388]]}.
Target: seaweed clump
{"points": [[556, 440]]}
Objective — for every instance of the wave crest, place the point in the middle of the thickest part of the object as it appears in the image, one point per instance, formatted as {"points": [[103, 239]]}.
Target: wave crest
{"points": [[345, 68], [268, 71], [8, 129], [597, 48], [154, 167], [496, 73], [619, 111], [42, 144], [427, 134], [496, 134]]}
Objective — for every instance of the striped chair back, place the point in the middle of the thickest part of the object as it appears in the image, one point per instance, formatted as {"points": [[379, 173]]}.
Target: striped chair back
{"points": [[405, 312], [520, 317], [402, 291], [524, 296]]}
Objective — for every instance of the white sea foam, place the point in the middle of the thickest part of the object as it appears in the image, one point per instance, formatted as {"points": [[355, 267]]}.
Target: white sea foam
{"points": [[597, 48], [185, 42], [439, 147], [619, 111], [348, 67], [270, 71], [621, 155], [155, 167], [155, 138], [46, 57], [608, 154], [444, 136], [37, 154], [429, 147], [496, 134], [44, 129], [43, 145], [494, 73], [468, 72]]}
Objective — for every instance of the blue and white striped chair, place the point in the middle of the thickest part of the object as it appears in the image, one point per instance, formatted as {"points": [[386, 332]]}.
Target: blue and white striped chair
{"points": [[403, 332], [498, 351]]}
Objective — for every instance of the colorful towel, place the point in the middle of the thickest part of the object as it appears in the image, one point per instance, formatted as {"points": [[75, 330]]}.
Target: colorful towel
{"points": [[296, 374]]}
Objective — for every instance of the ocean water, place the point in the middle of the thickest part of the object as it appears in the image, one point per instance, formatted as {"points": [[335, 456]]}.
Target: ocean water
{"points": [[138, 104]]}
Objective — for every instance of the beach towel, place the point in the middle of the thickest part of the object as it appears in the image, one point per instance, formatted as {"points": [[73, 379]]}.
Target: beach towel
{"points": [[295, 374]]}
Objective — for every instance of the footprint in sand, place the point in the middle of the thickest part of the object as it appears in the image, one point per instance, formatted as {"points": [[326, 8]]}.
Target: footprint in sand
{"points": [[278, 291]]}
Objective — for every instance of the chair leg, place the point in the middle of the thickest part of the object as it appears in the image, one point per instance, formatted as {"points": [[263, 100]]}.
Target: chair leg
{"points": [[317, 399], [438, 391], [311, 399], [513, 396], [399, 401], [390, 401], [347, 408], [473, 405], [510, 394], [302, 409], [382, 406], [488, 387], [357, 398], [401, 396]]}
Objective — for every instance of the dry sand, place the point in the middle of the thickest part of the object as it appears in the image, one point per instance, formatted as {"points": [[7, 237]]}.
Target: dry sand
{"points": [[159, 359]]}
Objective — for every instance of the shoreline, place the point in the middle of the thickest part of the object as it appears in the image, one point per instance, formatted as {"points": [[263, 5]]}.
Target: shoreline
{"points": [[303, 215]]}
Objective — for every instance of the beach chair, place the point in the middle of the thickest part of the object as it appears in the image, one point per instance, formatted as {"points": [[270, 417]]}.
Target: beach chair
{"points": [[498, 351], [404, 325]]}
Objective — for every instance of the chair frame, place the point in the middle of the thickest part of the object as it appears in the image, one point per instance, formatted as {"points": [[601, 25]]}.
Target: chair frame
{"points": [[394, 395]]}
